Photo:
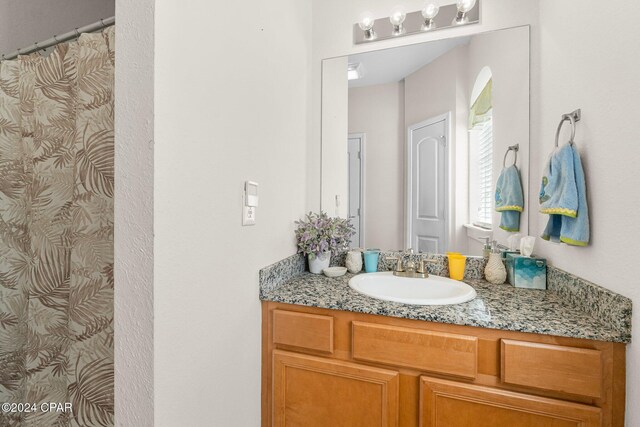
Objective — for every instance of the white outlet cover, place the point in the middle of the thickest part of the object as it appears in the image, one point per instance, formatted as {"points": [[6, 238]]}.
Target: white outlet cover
{"points": [[248, 215]]}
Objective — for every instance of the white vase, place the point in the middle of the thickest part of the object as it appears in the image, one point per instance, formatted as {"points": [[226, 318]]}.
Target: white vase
{"points": [[319, 262], [495, 272], [354, 261]]}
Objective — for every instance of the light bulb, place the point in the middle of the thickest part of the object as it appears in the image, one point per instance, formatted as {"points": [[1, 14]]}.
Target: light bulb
{"points": [[465, 6], [366, 21], [430, 10], [397, 16]]}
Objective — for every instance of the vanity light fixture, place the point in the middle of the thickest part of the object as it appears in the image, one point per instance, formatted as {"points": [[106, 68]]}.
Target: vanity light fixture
{"points": [[354, 71], [366, 24], [397, 17], [429, 12], [433, 16], [464, 6]]}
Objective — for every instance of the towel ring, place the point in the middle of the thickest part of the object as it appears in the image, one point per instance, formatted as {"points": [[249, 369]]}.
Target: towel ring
{"points": [[515, 149], [573, 118]]}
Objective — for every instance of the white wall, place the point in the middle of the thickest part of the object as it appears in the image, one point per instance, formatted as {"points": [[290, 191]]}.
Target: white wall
{"points": [[378, 112], [24, 22], [133, 244], [591, 61], [579, 58], [335, 97], [231, 104], [504, 53]]}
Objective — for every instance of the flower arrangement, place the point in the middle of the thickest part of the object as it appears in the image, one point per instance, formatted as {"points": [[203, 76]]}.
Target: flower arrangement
{"points": [[318, 233]]}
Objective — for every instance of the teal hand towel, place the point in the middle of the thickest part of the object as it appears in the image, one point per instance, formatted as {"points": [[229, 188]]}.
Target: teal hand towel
{"points": [[563, 196], [509, 198]]}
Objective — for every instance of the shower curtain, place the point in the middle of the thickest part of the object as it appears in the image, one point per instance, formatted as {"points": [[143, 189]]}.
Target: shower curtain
{"points": [[56, 233]]}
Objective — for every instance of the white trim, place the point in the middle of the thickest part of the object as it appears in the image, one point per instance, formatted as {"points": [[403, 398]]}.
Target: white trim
{"points": [[446, 117], [134, 213], [363, 138], [478, 233]]}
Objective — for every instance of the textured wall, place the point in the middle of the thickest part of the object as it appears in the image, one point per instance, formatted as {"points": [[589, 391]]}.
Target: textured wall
{"points": [[231, 105], [600, 75], [335, 126], [24, 22], [378, 112], [506, 53], [134, 213]]}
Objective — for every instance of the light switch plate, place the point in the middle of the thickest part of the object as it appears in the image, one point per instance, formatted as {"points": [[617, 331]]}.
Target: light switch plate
{"points": [[250, 203], [251, 193], [248, 215]]}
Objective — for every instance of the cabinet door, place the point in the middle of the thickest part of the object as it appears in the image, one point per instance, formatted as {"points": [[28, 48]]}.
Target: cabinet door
{"points": [[452, 404], [311, 391]]}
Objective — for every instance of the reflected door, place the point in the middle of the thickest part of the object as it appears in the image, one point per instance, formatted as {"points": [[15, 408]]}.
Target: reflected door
{"points": [[427, 185], [355, 188]]}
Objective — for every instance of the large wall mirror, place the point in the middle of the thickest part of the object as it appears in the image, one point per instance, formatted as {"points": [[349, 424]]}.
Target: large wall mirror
{"points": [[414, 139]]}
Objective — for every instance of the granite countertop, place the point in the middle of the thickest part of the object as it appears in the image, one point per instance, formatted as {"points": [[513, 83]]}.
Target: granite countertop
{"points": [[496, 306]]}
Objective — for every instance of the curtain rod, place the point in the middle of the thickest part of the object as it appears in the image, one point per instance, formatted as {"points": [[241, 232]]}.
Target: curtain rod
{"points": [[96, 26]]}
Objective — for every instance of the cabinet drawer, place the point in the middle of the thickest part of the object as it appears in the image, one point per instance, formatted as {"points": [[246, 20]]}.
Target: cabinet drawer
{"points": [[446, 403], [414, 348], [302, 330], [552, 367]]}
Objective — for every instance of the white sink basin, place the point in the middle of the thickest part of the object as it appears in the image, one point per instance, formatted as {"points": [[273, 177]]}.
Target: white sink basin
{"points": [[434, 290]]}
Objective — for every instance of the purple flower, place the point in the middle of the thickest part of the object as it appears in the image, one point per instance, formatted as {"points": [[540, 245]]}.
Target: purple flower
{"points": [[319, 233]]}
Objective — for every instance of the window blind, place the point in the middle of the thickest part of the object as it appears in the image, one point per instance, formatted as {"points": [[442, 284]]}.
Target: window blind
{"points": [[485, 170]]}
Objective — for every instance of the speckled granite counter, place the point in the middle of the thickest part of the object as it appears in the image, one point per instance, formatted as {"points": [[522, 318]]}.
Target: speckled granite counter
{"points": [[496, 306]]}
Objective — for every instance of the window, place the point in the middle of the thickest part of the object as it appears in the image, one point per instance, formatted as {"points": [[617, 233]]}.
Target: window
{"points": [[483, 180], [481, 192]]}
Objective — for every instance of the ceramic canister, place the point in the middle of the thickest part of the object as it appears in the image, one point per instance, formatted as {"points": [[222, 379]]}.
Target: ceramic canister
{"points": [[495, 271], [354, 261], [319, 262]]}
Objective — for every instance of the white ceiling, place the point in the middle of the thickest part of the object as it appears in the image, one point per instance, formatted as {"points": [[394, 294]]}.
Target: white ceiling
{"points": [[394, 64]]}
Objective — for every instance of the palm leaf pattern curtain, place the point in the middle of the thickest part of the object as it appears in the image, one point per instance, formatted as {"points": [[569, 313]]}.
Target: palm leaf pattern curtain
{"points": [[56, 232]]}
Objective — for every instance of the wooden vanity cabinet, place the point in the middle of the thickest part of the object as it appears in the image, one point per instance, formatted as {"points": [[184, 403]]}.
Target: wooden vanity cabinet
{"points": [[334, 368]]}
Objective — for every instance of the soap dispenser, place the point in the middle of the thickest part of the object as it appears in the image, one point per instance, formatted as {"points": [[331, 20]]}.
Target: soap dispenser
{"points": [[486, 249]]}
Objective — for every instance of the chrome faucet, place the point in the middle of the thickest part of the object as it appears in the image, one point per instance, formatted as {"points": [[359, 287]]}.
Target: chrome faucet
{"points": [[410, 268]]}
